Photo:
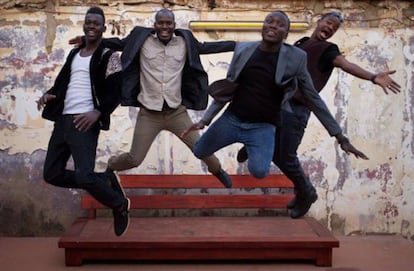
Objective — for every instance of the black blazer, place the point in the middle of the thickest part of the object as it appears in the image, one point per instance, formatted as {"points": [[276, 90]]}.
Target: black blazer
{"points": [[194, 89]]}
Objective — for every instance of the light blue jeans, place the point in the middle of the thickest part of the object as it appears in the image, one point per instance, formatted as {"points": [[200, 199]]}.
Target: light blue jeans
{"points": [[259, 139]]}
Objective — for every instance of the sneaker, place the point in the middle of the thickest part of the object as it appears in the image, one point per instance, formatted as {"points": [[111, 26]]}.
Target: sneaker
{"points": [[121, 217], [242, 155], [114, 182], [304, 201], [224, 178]]}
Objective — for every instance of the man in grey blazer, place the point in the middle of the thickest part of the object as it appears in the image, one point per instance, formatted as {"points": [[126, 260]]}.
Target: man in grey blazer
{"points": [[264, 76]]}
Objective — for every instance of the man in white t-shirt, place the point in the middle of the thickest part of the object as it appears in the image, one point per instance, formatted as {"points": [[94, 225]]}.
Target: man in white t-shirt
{"points": [[85, 93]]}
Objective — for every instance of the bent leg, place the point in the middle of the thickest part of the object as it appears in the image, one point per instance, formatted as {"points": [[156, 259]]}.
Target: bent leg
{"points": [[180, 121], [259, 141], [58, 153], [83, 147], [147, 127], [221, 133]]}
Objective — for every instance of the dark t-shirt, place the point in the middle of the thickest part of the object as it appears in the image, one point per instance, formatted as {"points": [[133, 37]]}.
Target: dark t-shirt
{"points": [[327, 58], [257, 99]]}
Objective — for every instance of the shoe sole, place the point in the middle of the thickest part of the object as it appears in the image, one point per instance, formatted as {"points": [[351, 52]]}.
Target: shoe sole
{"points": [[126, 228]]}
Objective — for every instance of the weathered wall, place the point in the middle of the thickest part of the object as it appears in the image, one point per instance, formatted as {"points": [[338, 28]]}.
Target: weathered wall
{"points": [[355, 196]]}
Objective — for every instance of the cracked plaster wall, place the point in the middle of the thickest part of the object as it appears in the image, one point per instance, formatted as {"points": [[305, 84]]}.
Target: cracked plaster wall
{"points": [[355, 196]]}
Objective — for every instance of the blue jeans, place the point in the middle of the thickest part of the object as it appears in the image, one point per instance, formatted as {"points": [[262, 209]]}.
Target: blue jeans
{"points": [[228, 129], [65, 141], [287, 141]]}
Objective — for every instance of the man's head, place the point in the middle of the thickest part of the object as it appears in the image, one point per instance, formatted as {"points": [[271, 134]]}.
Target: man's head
{"points": [[164, 25], [94, 24], [327, 25], [275, 27]]}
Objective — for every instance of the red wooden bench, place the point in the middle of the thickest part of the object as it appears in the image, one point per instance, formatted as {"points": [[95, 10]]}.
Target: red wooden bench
{"points": [[241, 237]]}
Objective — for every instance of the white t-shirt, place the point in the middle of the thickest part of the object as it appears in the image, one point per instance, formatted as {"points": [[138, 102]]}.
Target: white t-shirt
{"points": [[78, 98]]}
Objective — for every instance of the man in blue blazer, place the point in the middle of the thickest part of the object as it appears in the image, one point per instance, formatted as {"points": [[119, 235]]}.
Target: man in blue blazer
{"points": [[264, 76]]}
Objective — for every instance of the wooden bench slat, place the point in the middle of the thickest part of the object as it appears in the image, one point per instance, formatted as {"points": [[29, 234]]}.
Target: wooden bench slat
{"points": [[202, 181], [277, 201]]}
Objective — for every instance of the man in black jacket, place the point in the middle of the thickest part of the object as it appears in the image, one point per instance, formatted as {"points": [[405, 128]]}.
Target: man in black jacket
{"points": [[84, 94], [163, 75]]}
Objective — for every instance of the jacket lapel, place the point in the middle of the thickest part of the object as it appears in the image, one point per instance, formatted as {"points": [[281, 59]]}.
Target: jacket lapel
{"points": [[281, 64]]}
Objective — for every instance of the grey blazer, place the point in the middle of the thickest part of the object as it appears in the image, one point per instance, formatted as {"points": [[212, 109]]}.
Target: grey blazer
{"points": [[291, 76]]}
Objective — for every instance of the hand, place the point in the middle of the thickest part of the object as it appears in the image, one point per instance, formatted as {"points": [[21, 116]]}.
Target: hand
{"points": [[44, 100], [196, 126], [385, 81], [347, 147], [83, 122], [77, 41]]}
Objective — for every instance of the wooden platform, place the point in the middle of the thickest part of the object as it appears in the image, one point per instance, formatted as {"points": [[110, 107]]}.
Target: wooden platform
{"points": [[200, 237]]}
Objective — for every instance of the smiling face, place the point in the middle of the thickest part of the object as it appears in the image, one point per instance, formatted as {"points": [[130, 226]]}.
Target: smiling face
{"points": [[275, 27], [326, 28], [164, 25], [93, 27]]}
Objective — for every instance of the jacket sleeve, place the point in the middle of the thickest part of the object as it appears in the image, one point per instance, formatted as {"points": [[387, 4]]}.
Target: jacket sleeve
{"points": [[212, 111], [216, 47], [314, 102], [112, 85]]}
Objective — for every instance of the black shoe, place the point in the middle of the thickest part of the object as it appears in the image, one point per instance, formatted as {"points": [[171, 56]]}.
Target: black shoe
{"points": [[115, 182], [121, 217], [224, 178], [242, 155], [304, 200], [291, 204]]}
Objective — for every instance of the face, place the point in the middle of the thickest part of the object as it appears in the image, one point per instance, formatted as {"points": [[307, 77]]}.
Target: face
{"points": [[93, 27], [164, 26], [326, 27], [275, 27]]}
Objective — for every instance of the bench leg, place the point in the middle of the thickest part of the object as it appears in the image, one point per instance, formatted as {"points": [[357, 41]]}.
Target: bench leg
{"points": [[73, 257], [324, 257]]}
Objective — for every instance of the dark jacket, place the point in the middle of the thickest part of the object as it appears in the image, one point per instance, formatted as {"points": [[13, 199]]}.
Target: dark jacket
{"points": [[194, 89], [105, 84]]}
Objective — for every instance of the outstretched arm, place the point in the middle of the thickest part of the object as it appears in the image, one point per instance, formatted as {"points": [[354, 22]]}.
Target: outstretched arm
{"points": [[315, 103], [382, 79]]}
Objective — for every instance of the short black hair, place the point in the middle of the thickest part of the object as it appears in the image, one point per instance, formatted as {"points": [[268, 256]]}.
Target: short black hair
{"points": [[287, 17], [96, 10], [164, 11], [334, 14]]}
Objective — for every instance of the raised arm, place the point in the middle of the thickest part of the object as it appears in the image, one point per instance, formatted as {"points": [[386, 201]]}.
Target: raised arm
{"points": [[382, 79]]}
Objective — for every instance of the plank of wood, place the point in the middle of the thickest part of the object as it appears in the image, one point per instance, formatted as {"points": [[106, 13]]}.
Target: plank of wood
{"points": [[202, 181], [203, 201]]}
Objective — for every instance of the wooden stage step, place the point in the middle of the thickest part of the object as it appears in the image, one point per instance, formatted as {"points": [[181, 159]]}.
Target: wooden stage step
{"points": [[200, 238]]}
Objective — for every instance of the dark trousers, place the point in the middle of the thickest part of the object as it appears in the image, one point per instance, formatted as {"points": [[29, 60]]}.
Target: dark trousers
{"points": [[287, 141], [68, 141]]}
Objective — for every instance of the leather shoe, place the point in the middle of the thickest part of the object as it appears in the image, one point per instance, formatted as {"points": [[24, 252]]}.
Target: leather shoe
{"points": [[224, 178], [304, 200], [242, 155]]}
